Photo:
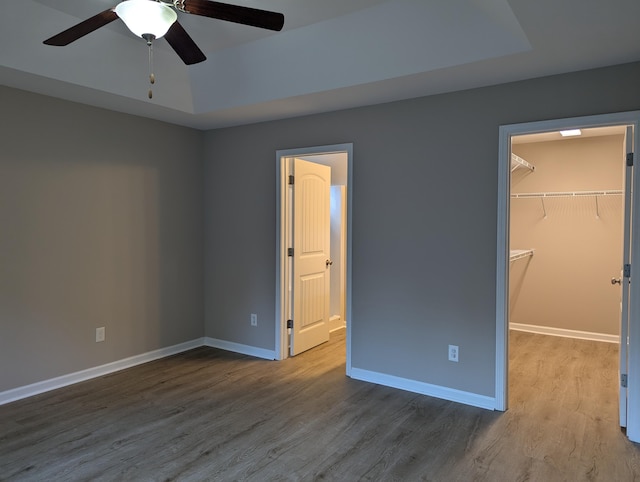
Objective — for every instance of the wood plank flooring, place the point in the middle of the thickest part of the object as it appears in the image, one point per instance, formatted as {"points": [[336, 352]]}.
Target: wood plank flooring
{"points": [[212, 415]]}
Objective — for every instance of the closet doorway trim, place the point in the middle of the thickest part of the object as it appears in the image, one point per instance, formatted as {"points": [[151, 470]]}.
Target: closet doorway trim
{"points": [[502, 258]]}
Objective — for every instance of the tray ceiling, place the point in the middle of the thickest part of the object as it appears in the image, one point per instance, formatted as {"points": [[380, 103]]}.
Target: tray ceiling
{"points": [[331, 54]]}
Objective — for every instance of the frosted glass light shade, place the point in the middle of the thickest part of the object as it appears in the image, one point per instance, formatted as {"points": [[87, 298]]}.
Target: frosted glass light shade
{"points": [[146, 17]]}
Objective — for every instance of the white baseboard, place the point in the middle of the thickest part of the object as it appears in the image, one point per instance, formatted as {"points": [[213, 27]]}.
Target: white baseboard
{"points": [[71, 378], [64, 380], [239, 348], [336, 323], [423, 388], [580, 335], [356, 373]]}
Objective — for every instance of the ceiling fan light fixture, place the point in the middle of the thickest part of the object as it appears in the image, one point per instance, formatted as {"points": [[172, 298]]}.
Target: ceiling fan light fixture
{"points": [[146, 17]]}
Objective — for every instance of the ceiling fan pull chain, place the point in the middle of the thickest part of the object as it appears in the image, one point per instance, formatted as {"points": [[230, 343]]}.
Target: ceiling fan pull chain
{"points": [[152, 77]]}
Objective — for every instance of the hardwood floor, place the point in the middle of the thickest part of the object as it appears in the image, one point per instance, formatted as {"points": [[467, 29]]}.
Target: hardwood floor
{"points": [[212, 415]]}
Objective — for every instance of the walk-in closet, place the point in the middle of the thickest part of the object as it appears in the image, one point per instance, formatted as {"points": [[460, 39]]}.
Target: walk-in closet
{"points": [[566, 233]]}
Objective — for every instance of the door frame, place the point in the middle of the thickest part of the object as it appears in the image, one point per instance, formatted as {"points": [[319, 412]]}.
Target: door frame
{"points": [[502, 255], [281, 335]]}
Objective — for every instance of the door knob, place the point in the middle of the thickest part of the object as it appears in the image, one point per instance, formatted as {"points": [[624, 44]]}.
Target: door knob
{"points": [[328, 263], [616, 281]]}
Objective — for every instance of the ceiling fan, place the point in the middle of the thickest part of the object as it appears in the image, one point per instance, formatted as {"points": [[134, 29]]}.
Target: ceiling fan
{"points": [[152, 19]]}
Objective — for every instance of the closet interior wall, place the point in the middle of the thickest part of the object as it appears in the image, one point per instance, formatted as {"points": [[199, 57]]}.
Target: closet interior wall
{"points": [[577, 241]]}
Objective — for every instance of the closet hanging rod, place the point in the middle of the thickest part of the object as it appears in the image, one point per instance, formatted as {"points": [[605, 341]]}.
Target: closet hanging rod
{"points": [[517, 161], [566, 194]]}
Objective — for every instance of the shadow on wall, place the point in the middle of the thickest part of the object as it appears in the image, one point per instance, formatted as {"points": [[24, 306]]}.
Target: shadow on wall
{"points": [[96, 234]]}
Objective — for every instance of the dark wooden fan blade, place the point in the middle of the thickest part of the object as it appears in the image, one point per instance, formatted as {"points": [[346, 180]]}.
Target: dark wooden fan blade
{"points": [[184, 45], [235, 13], [82, 29]]}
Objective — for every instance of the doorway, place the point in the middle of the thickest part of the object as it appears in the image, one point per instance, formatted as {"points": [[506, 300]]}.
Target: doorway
{"points": [[507, 135], [566, 245], [566, 233], [339, 158]]}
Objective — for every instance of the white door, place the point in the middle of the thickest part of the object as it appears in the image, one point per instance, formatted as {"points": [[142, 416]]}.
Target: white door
{"points": [[625, 279], [311, 255]]}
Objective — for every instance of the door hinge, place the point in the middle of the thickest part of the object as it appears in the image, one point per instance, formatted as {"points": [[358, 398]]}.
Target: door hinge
{"points": [[626, 271], [629, 159], [289, 323], [289, 251], [623, 380], [291, 179]]}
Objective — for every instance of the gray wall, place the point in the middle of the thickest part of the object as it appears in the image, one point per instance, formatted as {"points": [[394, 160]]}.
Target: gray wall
{"points": [[100, 225], [424, 219]]}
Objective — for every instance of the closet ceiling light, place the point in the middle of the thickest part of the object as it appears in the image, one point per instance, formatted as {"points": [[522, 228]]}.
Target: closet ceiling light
{"points": [[571, 132]]}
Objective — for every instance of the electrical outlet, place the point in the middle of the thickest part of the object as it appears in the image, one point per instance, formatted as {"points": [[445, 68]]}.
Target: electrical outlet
{"points": [[254, 319], [100, 334], [453, 353]]}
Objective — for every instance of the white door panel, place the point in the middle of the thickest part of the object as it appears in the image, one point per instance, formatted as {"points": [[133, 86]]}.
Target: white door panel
{"points": [[311, 255], [625, 280]]}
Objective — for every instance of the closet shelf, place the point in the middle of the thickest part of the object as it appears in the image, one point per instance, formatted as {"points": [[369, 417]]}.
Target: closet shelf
{"points": [[515, 254], [518, 162], [523, 195]]}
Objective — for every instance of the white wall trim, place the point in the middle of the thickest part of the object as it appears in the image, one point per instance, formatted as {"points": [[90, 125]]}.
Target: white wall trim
{"points": [[565, 333], [62, 381], [336, 323], [71, 378], [239, 348], [280, 348], [502, 270], [423, 388]]}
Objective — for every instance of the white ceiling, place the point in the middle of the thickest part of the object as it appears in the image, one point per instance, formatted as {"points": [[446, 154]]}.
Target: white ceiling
{"points": [[331, 54]]}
